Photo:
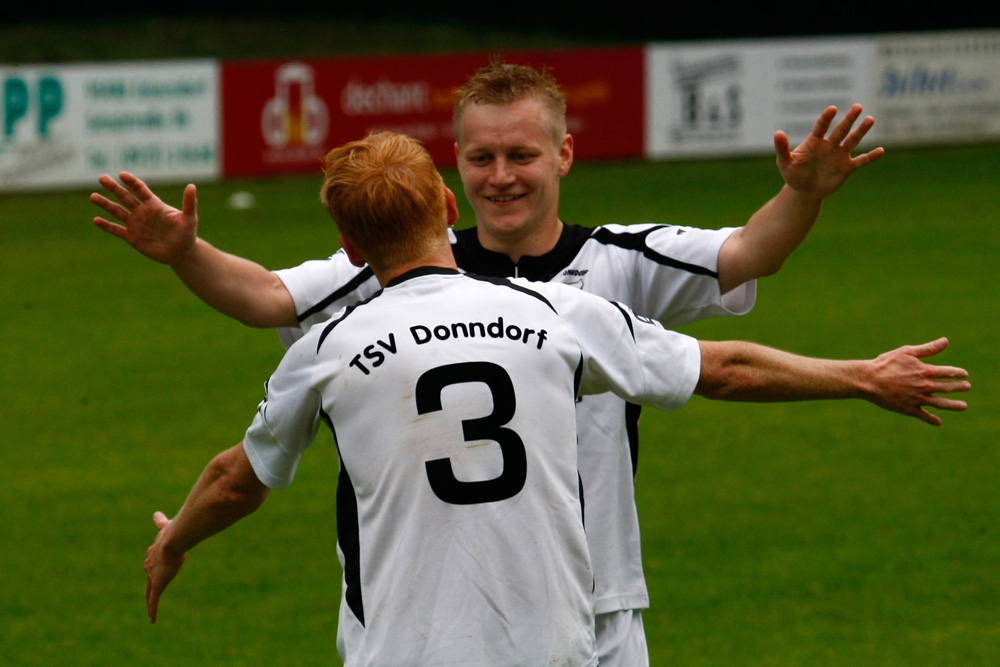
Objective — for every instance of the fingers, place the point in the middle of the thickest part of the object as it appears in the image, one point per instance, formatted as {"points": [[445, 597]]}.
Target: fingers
{"points": [[867, 158], [927, 349], [152, 600], [840, 132], [940, 403], [823, 122], [154, 585], [111, 227], [137, 186], [121, 193], [931, 419], [114, 208], [190, 205], [948, 373], [782, 149], [150, 608], [943, 403]]}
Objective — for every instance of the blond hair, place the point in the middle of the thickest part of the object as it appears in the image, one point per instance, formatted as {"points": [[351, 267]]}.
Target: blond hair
{"points": [[501, 83], [385, 195]]}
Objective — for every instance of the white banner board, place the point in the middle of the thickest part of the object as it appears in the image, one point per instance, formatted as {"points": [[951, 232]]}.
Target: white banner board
{"points": [[728, 98], [64, 125], [938, 87]]}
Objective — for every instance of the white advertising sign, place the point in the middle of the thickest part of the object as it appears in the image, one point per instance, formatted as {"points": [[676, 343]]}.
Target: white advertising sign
{"points": [[728, 98], [64, 125], [938, 87]]}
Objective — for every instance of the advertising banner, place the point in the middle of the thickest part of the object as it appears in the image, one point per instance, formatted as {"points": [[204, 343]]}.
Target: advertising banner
{"points": [[728, 98], [64, 125], [284, 116], [938, 87]]}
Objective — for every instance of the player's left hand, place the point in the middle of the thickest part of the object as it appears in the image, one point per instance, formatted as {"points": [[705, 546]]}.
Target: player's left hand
{"points": [[821, 164], [161, 566], [151, 226], [904, 383]]}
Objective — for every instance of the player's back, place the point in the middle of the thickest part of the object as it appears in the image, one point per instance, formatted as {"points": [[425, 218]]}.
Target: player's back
{"points": [[452, 401]]}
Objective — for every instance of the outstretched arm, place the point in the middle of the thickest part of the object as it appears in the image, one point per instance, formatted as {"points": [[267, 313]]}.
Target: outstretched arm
{"points": [[897, 380], [814, 170], [227, 491], [232, 285]]}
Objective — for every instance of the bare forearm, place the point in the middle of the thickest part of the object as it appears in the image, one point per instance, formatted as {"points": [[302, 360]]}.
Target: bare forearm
{"points": [[760, 247], [738, 371], [227, 491], [236, 287], [898, 380]]}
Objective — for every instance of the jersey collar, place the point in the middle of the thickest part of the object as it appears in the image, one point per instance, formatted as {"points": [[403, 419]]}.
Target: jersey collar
{"points": [[474, 258], [422, 271]]}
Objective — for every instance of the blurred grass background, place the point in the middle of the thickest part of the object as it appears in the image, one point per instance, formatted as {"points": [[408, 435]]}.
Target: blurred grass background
{"points": [[819, 534]]}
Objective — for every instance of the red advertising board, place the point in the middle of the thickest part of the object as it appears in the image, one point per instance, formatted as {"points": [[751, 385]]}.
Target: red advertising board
{"points": [[283, 116]]}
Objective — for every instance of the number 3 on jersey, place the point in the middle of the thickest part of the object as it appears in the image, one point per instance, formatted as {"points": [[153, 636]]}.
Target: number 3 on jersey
{"points": [[491, 427]]}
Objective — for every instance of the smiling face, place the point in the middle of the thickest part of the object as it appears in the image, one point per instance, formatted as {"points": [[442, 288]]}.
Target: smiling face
{"points": [[511, 158]]}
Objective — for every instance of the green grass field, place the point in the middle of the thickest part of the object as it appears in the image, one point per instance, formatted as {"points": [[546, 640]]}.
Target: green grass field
{"points": [[792, 534]]}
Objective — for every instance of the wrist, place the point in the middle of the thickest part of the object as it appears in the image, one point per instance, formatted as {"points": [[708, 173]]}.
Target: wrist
{"points": [[801, 197]]}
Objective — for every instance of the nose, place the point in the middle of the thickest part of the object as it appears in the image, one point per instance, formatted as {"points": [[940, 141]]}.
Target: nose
{"points": [[501, 175]]}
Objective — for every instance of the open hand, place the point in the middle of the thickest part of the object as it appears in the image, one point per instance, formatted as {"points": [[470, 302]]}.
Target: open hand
{"points": [[161, 566], [907, 385], [821, 164], [157, 230]]}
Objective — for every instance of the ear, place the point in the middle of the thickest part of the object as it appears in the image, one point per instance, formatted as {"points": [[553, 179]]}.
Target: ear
{"points": [[565, 155], [455, 148], [452, 205], [352, 252]]}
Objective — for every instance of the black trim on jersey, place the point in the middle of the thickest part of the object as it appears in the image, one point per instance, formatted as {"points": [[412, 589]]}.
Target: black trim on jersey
{"points": [[628, 318], [422, 271], [578, 377], [637, 242], [632, 430], [348, 532], [503, 282], [474, 258], [347, 311], [363, 276], [329, 327]]}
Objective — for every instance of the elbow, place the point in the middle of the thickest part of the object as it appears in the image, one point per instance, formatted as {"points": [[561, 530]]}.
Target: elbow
{"points": [[727, 372], [770, 267], [236, 488], [765, 263], [735, 383]]}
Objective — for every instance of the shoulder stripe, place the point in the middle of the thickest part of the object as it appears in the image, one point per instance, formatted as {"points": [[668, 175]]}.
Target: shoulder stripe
{"points": [[628, 318], [637, 242], [363, 276], [503, 282], [329, 327], [347, 311]]}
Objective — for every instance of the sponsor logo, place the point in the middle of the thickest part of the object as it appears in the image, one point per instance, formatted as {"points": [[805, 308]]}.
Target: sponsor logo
{"points": [[29, 144], [295, 121], [384, 97], [926, 81], [710, 96]]}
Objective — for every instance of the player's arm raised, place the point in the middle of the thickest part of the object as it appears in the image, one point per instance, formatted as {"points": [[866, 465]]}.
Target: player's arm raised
{"points": [[897, 380], [226, 491], [232, 285], [817, 168]]}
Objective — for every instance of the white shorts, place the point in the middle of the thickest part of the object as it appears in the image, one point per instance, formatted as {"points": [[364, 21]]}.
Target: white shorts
{"points": [[621, 639]]}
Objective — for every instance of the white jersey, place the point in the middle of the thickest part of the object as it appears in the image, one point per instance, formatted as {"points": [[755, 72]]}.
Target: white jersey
{"points": [[664, 272], [452, 402]]}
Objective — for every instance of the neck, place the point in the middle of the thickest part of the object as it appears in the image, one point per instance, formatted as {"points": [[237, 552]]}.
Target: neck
{"points": [[531, 244], [441, 259]]}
